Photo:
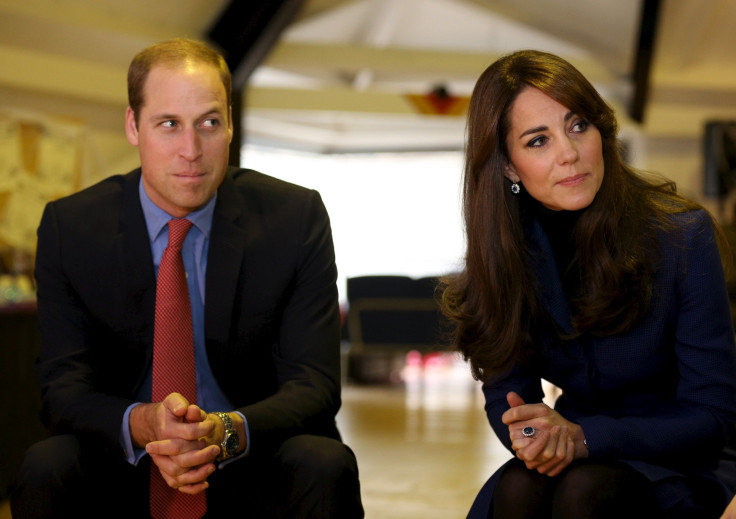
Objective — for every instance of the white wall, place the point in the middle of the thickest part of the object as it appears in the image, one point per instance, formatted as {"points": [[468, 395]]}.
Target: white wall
{"points": [[390, 213]]}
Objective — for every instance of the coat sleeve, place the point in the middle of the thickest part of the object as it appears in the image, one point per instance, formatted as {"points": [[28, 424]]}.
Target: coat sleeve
{"points": [[306, 355], [689, 420], [68, 369]]}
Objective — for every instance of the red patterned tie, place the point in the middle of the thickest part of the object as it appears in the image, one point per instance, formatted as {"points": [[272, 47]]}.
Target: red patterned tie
{"points": [[173, 364]]}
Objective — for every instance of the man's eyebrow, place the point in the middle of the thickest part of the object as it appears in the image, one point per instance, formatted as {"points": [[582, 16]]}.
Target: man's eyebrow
{"points": [[214, 111], [166, 116], [163, 117]]}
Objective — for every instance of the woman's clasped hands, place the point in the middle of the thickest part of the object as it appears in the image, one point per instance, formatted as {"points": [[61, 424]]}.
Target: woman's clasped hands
{"points": [[541, 437]]}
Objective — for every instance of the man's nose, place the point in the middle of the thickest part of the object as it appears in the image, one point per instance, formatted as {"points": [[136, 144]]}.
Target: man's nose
{"points": [[191, 147]]}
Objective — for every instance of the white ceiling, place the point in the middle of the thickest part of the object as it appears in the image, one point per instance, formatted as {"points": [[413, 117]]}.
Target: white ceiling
{"points": [[339, 77]]}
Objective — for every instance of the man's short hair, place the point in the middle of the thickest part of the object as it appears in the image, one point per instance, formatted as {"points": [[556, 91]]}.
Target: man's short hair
{"points": [[172, 53]]}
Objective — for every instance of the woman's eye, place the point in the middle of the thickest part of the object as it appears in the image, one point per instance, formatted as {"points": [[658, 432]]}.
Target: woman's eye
{"points": [[537, 142], [580, 126]]}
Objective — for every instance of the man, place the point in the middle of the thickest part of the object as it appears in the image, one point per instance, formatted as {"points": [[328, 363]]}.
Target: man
{"points": [[260, 278]]}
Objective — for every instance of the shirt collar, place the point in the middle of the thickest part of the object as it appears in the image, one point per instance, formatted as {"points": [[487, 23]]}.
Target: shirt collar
{"points": [[157, 218]]}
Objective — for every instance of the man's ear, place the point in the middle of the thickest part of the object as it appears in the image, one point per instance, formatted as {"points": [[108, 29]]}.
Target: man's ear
{"points": [[230, 126], [510, 172], [131, 128]]}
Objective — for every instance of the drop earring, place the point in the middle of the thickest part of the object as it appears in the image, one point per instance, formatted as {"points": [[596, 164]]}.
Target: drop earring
{"points": [[515, 189]]}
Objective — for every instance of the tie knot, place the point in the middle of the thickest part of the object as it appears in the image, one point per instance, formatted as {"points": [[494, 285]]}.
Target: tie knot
{"points": [[178, 229]]}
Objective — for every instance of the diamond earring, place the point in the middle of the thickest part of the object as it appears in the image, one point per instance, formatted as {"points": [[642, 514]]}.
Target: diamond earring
{"points": [[515, 188]]}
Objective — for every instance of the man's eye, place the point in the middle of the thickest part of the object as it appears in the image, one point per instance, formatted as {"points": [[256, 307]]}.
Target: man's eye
{"points": [[210, 123], [169, 124]]}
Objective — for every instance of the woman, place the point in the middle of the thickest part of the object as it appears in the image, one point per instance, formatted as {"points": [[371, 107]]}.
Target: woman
{"points": [[609, 285]]}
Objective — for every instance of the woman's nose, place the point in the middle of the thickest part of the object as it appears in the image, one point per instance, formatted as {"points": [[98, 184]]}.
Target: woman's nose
{"points": [[568, 152]]}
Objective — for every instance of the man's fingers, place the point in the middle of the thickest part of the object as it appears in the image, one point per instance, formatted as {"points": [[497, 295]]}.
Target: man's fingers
{"points": [[194, 489], [185, 431], [190, 481], [195, 476], [173, 447], [200, 457], [194, 414], [195, 481], [176, 404], [169, 470]]}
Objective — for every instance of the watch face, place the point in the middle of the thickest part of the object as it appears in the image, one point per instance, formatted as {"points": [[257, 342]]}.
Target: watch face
{"points": [[232, 444]]}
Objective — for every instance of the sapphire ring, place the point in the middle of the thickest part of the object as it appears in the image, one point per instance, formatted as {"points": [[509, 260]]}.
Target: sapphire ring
{"points": [[528, 431]]}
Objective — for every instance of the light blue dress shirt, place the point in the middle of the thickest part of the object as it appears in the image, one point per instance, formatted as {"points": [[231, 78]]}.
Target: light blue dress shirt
{"points": [[194, 253]]}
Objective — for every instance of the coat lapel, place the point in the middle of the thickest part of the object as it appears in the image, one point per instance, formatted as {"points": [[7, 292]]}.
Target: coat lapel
{"points": [[224, 260], [134, 251]]}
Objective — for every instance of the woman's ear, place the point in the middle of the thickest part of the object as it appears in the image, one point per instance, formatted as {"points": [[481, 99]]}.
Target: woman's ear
{"points": [[510, 172]]}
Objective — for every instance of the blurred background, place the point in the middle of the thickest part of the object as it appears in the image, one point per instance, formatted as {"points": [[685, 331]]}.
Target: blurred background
{"points": [[363, 100]]}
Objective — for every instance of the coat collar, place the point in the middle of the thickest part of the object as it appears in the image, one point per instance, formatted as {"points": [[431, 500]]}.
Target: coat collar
{"points": [[547, 278]]}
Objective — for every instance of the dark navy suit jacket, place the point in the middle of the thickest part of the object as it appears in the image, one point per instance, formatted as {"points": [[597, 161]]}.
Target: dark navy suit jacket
{"points": [[661, 397], [271, 310]]}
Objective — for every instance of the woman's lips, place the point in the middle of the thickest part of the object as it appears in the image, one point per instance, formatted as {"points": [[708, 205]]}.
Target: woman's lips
{"points": [[573, 180]]}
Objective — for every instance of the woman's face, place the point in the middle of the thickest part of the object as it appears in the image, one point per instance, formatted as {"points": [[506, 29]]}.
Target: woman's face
{"points": [[556, 154]]}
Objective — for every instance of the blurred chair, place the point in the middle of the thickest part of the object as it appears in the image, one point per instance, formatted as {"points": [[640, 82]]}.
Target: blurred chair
{"points": [[387, 317]]}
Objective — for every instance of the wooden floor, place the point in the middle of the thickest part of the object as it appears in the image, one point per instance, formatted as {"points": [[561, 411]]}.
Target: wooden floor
{"points": [[424, 446]]}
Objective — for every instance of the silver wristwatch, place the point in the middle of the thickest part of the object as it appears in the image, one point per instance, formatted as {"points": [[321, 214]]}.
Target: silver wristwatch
{"points": [[231, 441]]}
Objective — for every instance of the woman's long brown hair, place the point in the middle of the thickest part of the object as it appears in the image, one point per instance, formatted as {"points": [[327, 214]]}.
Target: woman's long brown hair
{"points": [[493, 301]]}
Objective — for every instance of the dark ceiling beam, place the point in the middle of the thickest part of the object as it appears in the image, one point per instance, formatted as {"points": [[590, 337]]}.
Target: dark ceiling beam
{"points": [[644, 52], [246, 31]]}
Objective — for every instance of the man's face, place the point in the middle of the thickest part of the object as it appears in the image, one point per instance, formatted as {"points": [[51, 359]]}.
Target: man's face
{"points": [[183, 136]]}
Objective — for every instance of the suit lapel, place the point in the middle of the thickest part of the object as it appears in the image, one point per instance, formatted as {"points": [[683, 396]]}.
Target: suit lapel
{"points": [[134, 251], [224, 260]]}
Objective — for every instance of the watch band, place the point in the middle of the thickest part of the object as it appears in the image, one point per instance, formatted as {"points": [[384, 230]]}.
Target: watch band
{"points": [[231, 440]]}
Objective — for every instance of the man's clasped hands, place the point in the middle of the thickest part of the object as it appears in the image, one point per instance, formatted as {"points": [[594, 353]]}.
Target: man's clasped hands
{"points": [[181, 439]]}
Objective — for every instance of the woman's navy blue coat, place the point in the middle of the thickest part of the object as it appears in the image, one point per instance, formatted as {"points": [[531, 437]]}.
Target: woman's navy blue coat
{"points": [[662, 396]]}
